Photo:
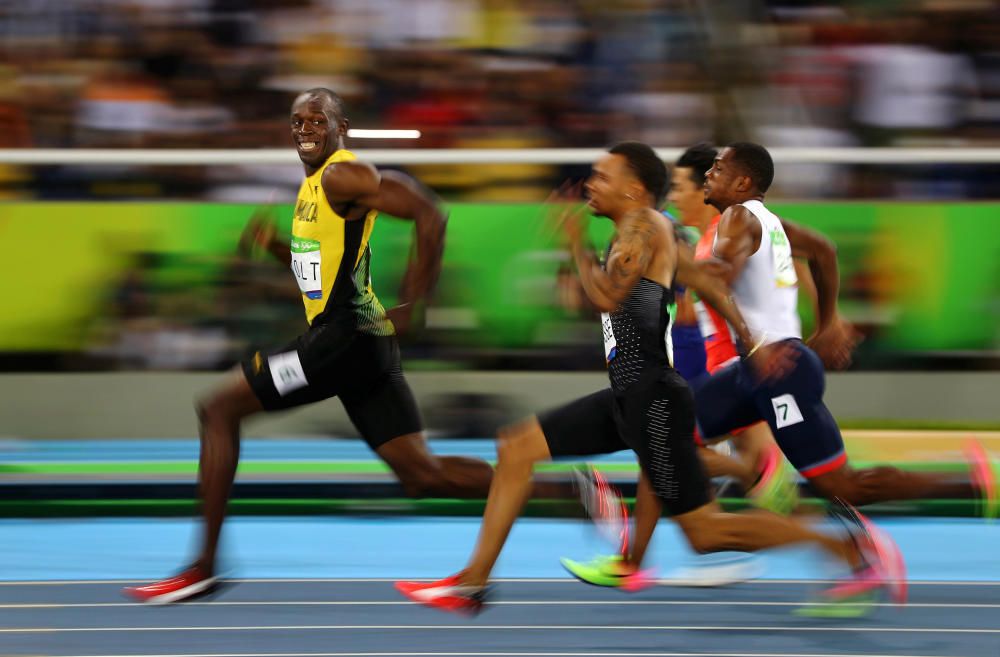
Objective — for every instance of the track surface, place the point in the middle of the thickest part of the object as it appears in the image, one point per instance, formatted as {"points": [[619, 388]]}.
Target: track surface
{"points": [[286, 610]]}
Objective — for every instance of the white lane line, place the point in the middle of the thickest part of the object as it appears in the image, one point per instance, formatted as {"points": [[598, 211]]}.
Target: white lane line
{"points": [[549, 628], [529, 580], [515, 654], [509, 603]]}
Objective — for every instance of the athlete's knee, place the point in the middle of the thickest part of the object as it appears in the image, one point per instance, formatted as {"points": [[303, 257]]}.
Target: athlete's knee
{"points": [[214, 411], [201, 411], [210, 410], [869, 485], [423, 483], [513, 452], [522, 444], [833, 485]]}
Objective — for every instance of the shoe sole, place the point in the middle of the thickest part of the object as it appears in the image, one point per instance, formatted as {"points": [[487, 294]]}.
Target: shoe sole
{"points": [[847, 609], [460, 604], [571, 567], [204, 587], [891, 565], [639, 581]]}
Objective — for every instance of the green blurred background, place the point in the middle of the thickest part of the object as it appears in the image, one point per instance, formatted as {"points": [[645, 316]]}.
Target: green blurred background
{"points": [[81, 278]]}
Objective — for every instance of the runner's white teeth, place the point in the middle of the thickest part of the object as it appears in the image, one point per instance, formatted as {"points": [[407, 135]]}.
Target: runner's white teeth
{"points": [[307, 145]]}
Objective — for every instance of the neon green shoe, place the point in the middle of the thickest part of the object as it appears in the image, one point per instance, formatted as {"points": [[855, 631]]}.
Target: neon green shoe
{"points": [[855, 607], [777, 489], [609, 571]]}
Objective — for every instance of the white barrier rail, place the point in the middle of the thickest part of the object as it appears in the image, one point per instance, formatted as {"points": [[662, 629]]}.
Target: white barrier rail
{"points": [[270, 156]]}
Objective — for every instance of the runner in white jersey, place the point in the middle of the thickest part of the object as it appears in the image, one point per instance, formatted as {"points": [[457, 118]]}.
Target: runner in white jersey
{"points": [[755, 256], [767, 290], [749, 456]]}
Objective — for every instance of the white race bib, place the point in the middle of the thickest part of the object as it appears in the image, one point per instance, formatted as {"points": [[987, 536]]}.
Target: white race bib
{"points": [[286, 372], [610, 345], [786, 411], [784, 265], [307, 265]]}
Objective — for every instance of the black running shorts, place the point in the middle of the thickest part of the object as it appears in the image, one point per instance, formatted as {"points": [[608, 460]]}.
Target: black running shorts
{"points": [[656, 421], [364, 371]]}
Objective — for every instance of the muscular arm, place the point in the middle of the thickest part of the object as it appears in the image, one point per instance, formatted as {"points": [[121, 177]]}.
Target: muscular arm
{"points": [[715, 292], [822, 257], [261, 232], [738, 237], [630, 256], [402, 197]]}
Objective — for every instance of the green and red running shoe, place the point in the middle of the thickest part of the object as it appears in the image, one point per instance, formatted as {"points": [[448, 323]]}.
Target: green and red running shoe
{"points": [[882, 570], [605, 506], [611, 571]]}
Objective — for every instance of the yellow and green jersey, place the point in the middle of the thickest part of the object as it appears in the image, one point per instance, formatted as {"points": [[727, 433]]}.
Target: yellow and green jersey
{"points": [[331, 259]]}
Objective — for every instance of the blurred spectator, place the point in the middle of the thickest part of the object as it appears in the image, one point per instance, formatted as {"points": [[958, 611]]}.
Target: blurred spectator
{"points": [[14, 133], [498, 73], [912, 83]]}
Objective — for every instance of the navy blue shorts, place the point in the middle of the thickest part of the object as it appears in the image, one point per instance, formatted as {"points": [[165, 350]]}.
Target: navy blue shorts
{"points": [[689, 352], [793, 407]]}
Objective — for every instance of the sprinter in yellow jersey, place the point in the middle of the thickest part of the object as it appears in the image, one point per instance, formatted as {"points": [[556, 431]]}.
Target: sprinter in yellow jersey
{"points": [[349, 350]]}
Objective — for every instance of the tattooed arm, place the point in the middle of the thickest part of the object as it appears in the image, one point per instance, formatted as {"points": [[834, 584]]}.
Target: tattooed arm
{"points": [[630, 256]]}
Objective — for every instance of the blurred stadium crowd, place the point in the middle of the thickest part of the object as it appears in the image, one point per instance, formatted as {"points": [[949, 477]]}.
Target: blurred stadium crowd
{"points": [[505, 74], [498, 74]]}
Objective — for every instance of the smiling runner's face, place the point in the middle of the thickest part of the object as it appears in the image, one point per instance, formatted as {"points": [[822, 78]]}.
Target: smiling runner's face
{"points": [[316, 129]]}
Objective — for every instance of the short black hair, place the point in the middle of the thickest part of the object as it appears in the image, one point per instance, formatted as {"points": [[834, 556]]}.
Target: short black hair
{"points": [[330, 96], [756, 161], [699, 158], [646, 165]]}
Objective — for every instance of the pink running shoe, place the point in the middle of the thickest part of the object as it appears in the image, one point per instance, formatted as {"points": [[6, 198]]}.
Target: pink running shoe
{"points": [[190, 584], [447, 594], [605, 506], [884, 567]]}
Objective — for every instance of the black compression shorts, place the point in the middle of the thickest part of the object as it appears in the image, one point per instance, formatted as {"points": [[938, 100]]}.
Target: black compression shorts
{"points": [[656, 421], [364, 371]]}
